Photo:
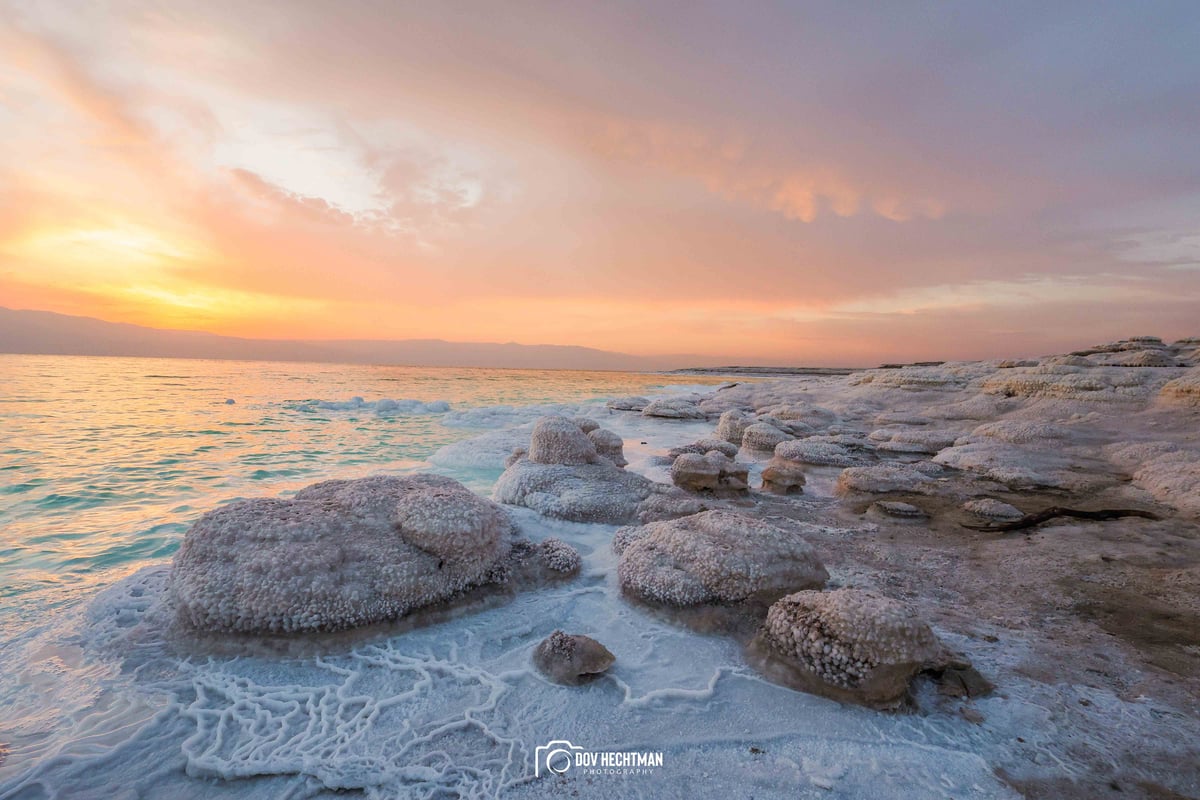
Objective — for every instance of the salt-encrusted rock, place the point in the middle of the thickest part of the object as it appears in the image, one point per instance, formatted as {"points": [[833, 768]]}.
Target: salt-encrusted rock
{"points": [[559, 556], [668, 502], [990, 508], [713, 472], [1015, 431], [762, 436], [884, 478], [1065, 361], [705, 446], [571, 658], [908, 440], [818, 451], [901, 418], [714, 557], [897, 510], [1183, 391], [979, 407], [782, 476], [597, 492], [558, 440], [1142, 358], [1010, 364], [585, 424], [1102, 384], [632, 403], [608, 445], [674, 408], [850, 644], [732, 426], [516, 455], [340, 554]]}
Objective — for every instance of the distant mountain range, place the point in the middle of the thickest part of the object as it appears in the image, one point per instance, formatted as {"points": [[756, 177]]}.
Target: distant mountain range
{"points": [[47, 333]]}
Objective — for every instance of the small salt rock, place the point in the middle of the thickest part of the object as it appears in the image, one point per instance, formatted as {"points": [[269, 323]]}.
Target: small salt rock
{"points": [[571, 658], [892, 508]]}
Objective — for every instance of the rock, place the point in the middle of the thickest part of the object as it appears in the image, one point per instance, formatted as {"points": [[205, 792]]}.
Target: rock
{"points": [[712, 472], [1143, 358], [897, 510], [571, 658], [732, 426], [818, 451], [705, 446], [632, 403], [1183, 391], [668, 502], [913, 441], [585, 424], [989, 508], [884, 478], [339, 555], [674, 408], [581, 493], [559, 556], [608, 445], [763, 436], [714, 557], [558, 440], [782, 476], [850, 644]]}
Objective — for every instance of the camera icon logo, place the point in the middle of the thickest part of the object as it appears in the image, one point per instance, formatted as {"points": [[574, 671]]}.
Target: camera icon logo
{"points": [[554, 757]]}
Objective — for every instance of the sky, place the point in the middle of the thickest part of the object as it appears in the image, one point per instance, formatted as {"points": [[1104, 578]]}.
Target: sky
{"points": [[782, 183]]}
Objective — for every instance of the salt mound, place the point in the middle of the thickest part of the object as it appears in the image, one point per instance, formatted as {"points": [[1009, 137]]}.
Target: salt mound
{"points": [[1076, 383], [674, 408], [608, 445], [884, 478], [705, 446], [990, 508], [340, 554], [558, 440], [818, 451], [631, 403], [851, 644], [763, 436], [1183, 391], [1016, 431], [732, 426], [907, 440], [715, 557]]}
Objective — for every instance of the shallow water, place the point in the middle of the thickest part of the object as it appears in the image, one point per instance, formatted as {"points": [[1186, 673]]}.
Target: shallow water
{"points": [[106, 462]]}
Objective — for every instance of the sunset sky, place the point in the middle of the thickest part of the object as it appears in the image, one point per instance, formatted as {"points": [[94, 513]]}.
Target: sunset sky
{"points": [[779, 183]]}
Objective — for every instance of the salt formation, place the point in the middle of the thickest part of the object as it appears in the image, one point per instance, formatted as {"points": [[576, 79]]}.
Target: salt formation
{"points": [[559, 556], [897, 510], [990, 508], [608, 445], [819, 451], [564, 476], [340, 554], [705, 446], [384, 407], [883, 478], [732, 426], [1182, 391], [713, 472], [674, 408], [908, 440], [782, 476], [632, 403], [1169, 472], [571, 659], [763, 436], [714, 557], [851, 644]]}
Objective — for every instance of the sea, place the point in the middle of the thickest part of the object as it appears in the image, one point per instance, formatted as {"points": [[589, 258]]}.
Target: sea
{"points": [[104, 464]]}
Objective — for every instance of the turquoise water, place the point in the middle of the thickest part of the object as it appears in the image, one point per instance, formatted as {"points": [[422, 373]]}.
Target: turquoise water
{"points": [[104, 462]]}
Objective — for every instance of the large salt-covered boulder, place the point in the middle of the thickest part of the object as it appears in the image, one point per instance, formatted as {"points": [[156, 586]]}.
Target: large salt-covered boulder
{"points": [[888, 477], [558, 440], [714, 557], [850, 644], [340, 554], [704, 446], [819, 451], [763, 436], [598, 492], [782, 476]]}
